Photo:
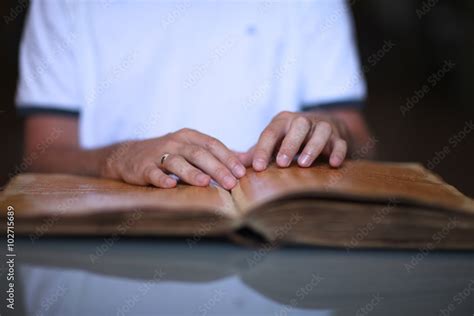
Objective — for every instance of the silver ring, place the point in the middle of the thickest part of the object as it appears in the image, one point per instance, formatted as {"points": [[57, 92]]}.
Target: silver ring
{"points": [[163, 158]]}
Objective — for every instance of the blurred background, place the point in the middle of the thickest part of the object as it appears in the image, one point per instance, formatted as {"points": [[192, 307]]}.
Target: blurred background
{"points": [[418, 59]]}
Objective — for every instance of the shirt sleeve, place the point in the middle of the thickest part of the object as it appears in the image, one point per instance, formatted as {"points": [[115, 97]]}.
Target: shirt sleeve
{"points": [[331, 73], [48, 66]]}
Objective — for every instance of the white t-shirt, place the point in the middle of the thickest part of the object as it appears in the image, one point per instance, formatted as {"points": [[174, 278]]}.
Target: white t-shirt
{"points": [[140, 69]]}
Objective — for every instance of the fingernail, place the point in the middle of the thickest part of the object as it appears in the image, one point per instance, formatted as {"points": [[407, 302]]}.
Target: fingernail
{"points": [[304, 160], [259, 164], [283, 160], [169, 182], [239, 171], [202, 178], [229, 182]]}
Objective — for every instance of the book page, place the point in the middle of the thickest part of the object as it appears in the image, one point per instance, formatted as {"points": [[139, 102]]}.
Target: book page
{"points": [[358, 180], [48, 194], [92, 205]]}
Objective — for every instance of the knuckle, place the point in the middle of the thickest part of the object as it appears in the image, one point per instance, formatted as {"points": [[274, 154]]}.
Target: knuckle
{"points": [[319, 144], [183, 130], [284, 114], [341, 146], [325, 126], [212, 143], [260, 153], [197, 153], [316, 144], [231, 161], [302, 121], [221, 172], [342, 142], [186, 131], [288, 148], [191, 174], [269, 132]]}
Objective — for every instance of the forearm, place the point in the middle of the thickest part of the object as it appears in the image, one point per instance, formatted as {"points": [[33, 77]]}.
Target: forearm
{"points": [[52, 145], [67, 159]]}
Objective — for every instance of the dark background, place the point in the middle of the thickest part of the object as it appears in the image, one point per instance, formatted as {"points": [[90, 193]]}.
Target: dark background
{"points": [[426, 35]]}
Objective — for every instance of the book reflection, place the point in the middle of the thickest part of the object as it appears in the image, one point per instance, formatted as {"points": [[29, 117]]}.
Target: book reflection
{"points": [[167, 277]]}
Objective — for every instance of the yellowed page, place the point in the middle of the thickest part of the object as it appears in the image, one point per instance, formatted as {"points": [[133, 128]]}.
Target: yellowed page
{"points": [[91, 205], [359, 180]]}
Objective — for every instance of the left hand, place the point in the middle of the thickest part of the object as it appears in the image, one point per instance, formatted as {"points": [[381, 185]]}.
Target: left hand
{"points": [[310, 134]]}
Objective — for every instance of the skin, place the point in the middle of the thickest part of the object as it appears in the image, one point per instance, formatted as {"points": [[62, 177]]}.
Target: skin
{"points": [[333, 134], [194, 157]]}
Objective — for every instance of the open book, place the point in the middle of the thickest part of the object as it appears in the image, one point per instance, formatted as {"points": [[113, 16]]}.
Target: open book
{"points": [[362, 204]]}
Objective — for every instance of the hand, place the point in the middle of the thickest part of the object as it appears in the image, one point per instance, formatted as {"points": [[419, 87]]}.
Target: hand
{"points": [[193, 157], [309, 134]]}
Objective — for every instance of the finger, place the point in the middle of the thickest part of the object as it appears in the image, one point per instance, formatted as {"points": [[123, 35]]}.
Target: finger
{"points": [[153, 175], [316, 144], [226, 156], [338, 153], [184, 170], [221, 152], [245, 157], [208, 163], [293, 140], [266, 145]]}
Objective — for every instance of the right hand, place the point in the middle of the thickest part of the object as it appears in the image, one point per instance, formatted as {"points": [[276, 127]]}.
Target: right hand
{"points": [[194, 157]]}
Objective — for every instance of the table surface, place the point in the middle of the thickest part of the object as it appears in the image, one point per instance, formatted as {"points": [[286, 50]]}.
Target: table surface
{"points": [[153, 276]]}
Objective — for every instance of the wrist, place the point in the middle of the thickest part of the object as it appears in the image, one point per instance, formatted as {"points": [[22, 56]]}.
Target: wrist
{"points": [[107, 160]]}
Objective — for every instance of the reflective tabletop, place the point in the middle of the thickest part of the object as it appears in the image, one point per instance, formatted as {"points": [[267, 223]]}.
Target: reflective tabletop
{"points": [[136, 276]]}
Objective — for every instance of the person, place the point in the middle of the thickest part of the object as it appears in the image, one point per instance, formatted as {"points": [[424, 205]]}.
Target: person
{"points": [[141, 91]]}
